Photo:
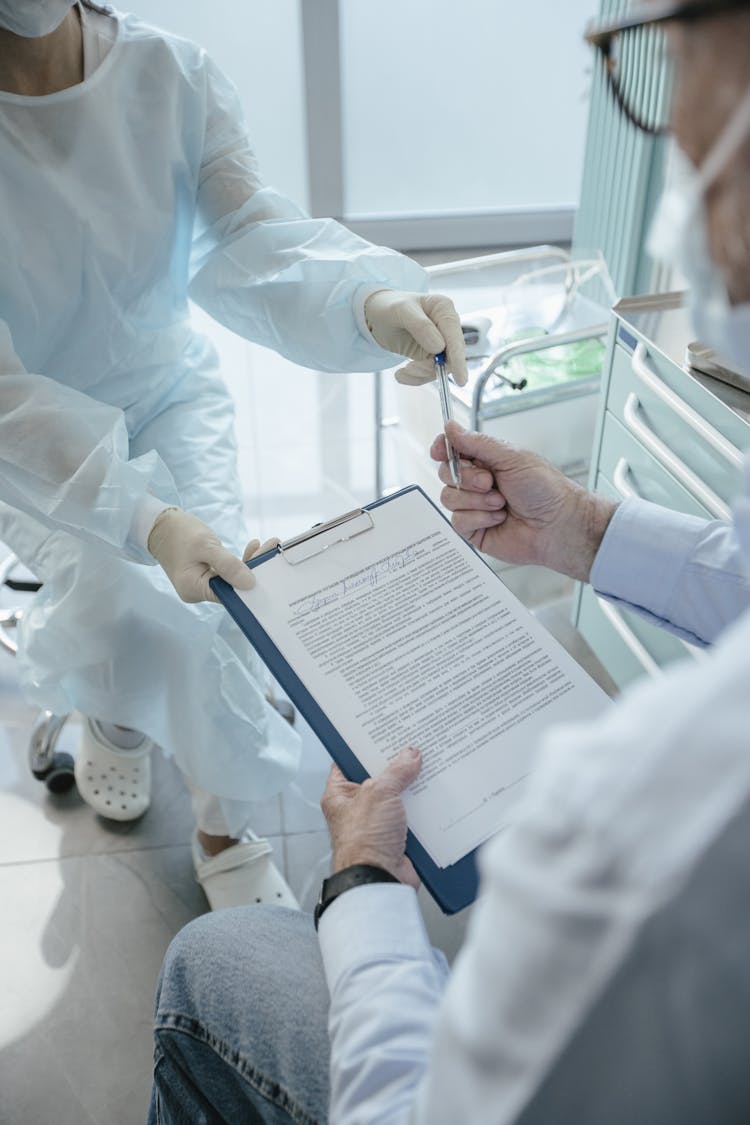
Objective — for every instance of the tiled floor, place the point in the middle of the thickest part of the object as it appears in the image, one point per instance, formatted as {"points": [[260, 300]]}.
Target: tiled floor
{"points": [[88, 906]]}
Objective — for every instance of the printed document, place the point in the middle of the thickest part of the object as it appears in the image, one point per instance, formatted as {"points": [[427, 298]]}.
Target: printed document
{"points": [[404, 636]]}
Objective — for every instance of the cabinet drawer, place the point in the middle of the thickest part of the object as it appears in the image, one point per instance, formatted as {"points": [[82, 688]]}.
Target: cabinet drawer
{"points": [[632, 471], [693, 435], [693, 393]]}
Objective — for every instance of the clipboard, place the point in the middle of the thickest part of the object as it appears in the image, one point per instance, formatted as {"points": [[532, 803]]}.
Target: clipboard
{"points": [[454, 887]]}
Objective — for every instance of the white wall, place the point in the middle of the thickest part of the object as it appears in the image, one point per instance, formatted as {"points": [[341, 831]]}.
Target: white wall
{"points": [[258, 44]]}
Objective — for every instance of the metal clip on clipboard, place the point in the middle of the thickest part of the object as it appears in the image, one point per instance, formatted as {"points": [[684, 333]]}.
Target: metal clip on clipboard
{"points": [[324, 535]]}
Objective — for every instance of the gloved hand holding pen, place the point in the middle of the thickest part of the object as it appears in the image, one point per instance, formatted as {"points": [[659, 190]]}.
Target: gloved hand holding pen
{"points": [[418, 325]]}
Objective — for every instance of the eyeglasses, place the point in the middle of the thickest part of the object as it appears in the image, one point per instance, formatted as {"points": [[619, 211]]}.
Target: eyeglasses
{"points": [[635, 57]]}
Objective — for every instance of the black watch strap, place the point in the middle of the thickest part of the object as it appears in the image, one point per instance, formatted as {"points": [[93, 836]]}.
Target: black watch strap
{"points": [[355, 876]]}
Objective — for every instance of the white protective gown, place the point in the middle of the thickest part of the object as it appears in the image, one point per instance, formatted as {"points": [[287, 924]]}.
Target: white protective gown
{"points": [[120, 199]]}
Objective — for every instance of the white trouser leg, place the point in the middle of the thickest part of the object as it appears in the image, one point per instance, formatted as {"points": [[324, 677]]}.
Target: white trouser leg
{"points": [[207, 810], [124, 738]]}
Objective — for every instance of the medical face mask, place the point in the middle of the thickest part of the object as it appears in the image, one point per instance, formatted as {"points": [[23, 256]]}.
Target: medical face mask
{"points": [[33, 18], [679, 238]]}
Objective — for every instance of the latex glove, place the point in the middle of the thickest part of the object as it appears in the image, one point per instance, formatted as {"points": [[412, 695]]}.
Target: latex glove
{"points": [[418, 325], [518, 507], [367, 822], [255, 547], [191, 554]]}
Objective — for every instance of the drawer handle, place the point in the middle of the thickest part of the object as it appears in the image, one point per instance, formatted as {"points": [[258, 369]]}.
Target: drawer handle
{"points": [[628, 637], [670, 460], [691, 417], [620, 479]]}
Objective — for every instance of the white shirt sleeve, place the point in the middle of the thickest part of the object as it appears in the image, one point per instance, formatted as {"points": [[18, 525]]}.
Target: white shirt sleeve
{"points": [[682, 573], [385, 983], [616, 817], [64, 459], [268, 271]]}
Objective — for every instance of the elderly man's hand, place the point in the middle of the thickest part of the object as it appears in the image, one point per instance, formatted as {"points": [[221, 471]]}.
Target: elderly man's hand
{"points": [[367, 822], [518, 507]]}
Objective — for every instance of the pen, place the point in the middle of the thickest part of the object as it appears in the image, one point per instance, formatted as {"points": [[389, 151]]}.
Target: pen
{"points": [[441, 376]]}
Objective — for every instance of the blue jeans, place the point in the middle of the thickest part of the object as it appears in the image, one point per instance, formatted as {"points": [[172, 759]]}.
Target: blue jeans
{"points": [[241, 1022]]}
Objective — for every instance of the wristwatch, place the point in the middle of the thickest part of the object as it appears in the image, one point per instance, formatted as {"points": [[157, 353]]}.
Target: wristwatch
{"points": [[355, 876]]}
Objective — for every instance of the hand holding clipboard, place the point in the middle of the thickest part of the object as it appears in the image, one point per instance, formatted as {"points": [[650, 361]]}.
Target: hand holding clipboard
{"points": [[354, 617]]}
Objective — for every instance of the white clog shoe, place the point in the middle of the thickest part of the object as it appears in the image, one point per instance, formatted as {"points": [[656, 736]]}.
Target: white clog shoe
{"points": [[241, 875], [116, 783]]}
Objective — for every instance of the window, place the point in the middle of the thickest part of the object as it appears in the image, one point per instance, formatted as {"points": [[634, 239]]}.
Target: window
{"points": [[422, 123]]}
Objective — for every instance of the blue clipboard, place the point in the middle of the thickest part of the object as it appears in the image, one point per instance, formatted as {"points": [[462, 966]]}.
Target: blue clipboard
{"points": [[454, 887]]}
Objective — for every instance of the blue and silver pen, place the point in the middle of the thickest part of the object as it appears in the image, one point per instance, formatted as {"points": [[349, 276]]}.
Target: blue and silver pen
{"points": [[441, 376]]}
